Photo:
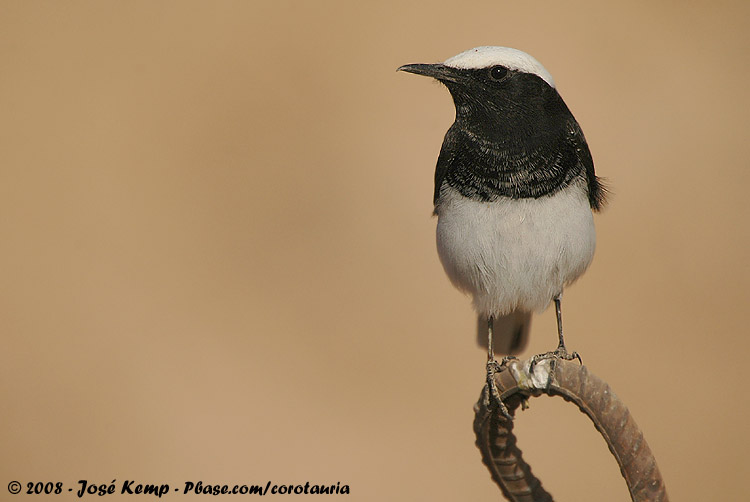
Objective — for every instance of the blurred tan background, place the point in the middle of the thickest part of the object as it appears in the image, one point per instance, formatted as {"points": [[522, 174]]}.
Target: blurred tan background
{"points": [[218, 259]]}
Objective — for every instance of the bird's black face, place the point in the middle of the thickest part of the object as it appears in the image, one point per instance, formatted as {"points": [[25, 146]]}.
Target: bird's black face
{"points": [[499, 103], [513, 136]]}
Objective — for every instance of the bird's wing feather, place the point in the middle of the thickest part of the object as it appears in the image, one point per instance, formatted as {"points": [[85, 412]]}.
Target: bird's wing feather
{"points": [[596, 188], [445, 160]]}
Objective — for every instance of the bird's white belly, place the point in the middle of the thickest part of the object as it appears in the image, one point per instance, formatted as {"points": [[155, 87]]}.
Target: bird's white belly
{"points": [[515, 254]]}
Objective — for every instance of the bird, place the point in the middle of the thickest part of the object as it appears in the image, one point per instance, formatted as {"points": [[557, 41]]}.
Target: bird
{"points": [[515, 192]]}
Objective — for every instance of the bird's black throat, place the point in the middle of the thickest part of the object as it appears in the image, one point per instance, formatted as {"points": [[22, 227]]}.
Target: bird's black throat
{"points": [[515, 138]]}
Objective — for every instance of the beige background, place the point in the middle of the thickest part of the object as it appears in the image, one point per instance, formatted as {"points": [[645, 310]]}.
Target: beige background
{"points": [[218, 257]]}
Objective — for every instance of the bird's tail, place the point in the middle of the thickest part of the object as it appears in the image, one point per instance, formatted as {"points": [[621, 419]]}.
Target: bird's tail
{"points": [[510, 332]]}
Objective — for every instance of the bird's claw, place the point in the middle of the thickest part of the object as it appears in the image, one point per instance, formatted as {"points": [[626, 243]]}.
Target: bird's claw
{"points": [[497, 367], [493, 396], [559, 353]]}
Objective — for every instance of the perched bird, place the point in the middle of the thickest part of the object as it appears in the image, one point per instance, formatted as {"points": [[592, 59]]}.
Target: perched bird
{"points": [[514, 192]]}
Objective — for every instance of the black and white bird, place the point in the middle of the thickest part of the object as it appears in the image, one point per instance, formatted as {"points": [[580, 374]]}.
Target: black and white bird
{"points": [[514, 192]]}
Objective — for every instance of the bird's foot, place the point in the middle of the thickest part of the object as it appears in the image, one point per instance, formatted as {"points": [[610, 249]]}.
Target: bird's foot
{"points": [[503, 364], [559, 353], [494, 399]]}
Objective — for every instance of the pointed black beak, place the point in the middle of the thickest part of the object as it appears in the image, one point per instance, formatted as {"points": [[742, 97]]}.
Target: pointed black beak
{"points": [[438, 71]]}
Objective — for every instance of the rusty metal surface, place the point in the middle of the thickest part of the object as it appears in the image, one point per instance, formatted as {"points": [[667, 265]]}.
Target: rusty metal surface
{"points": [[593, 397]]}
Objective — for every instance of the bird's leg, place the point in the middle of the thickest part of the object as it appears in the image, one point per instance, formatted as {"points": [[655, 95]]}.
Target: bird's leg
{"points": [[560, 352], [492, 368]]}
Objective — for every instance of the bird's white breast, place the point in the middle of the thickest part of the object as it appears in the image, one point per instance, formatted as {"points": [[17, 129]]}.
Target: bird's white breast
{"points": [[515, 254]]}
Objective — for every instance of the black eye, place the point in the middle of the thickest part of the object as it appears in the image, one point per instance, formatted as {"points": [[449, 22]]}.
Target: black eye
{"points": [[498, 72]]}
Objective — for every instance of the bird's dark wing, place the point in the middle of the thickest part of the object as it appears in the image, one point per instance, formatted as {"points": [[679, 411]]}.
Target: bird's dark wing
{"points": [[597, 190], [446, 158]]}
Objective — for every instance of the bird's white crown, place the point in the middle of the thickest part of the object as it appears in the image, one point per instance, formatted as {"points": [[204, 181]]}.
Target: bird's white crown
{"points": [[484, 57]]}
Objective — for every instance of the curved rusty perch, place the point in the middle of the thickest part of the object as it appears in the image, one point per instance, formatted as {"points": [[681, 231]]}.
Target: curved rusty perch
{"points": [[593, 397]]}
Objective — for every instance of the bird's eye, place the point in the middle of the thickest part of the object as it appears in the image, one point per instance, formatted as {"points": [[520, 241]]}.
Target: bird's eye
{"points": [[498, 72]]}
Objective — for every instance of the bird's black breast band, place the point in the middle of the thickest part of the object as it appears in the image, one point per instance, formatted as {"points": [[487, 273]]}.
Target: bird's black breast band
{"points": [[481, 170]]}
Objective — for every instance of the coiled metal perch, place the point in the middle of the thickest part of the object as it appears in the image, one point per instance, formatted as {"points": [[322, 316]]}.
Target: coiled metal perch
{"points": [[593, 397]]}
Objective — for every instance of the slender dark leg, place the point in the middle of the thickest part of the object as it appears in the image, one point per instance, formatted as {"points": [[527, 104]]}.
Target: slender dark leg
{"points": [[490, 349], [492, 368], [558, 311], [561, 352]]}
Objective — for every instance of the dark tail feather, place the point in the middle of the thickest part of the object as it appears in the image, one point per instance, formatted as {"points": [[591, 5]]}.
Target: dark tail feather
{"points": [[510, 332]]}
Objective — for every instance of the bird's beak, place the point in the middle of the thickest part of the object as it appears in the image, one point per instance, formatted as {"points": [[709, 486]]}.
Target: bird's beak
{"points": [[437, 71]]}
